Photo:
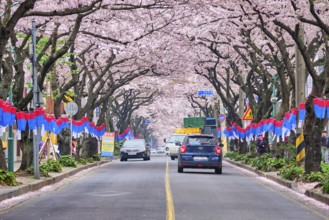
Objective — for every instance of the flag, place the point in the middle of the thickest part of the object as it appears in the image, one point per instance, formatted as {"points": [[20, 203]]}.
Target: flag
{"points": [[319, 107], [21, 121]]}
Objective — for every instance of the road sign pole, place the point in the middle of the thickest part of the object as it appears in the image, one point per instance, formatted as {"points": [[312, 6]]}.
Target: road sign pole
{"points": [[71, 132], [71, 108], [35, 101]]}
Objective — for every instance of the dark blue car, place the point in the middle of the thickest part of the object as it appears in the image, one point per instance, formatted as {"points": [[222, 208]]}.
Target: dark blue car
{"points": [[200, 151]]}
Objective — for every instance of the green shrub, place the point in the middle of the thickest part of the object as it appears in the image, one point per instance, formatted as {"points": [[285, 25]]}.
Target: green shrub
{"points": [[260, 162], [291, 172], [247, 159], [231, 155], [43, 171], [314, 177], [67, 161], [8, 178], [325, 185], [89, 160], [277, 164], [97, 157], [82, 161], [51, 166], [325, 167], [239, 157], [117, 148]]}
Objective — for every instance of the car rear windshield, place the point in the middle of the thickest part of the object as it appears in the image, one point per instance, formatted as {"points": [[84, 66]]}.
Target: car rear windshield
{"points": [[134, 143], [200, 141], [176, 138]]}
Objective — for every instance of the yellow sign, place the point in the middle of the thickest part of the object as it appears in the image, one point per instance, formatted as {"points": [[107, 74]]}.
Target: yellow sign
{"points": [[187, 130], [53, 137], [107, 149], [248, 115]]}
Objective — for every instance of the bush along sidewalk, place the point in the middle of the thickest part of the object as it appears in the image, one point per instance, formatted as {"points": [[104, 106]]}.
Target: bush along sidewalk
{"points": [[285, 168], [8, 178], [52, 165]]}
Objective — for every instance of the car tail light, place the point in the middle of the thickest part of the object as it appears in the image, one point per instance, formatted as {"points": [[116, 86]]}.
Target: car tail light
{"points": [[218, 150], [183, 149]]}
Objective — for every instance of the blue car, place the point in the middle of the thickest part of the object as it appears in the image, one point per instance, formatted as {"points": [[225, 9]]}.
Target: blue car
{"points": [[200, 151]]}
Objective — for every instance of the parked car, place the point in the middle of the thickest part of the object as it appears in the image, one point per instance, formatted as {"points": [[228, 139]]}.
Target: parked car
{"points": [[135, 148], [173, 143], [200, 151], [161, 150]]}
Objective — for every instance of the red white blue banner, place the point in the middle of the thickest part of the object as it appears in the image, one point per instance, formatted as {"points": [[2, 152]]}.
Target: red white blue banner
{"points": [[37, 118]]}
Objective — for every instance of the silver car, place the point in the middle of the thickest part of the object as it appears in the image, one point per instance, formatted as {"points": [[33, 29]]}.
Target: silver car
{"points": [[135, 148]]}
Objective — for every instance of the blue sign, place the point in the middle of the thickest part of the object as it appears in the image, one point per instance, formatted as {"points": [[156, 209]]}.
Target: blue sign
{"points": [[205, 93], [221, 117], [146, 122]]}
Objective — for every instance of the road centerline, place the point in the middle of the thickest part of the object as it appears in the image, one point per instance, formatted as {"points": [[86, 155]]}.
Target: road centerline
{"points": [[169, 198]]}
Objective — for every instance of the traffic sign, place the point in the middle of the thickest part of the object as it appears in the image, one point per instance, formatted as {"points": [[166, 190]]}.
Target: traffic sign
{"points": [[71, 108], [221, 117], [248, 115], [205, 93], [146, 122]]}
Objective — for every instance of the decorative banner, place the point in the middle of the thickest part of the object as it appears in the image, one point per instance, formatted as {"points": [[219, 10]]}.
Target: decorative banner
{"points": [[279, 128], [319, 107], [107, 148], [37, 118], [301, 114], [219, 132], [127, 134]]}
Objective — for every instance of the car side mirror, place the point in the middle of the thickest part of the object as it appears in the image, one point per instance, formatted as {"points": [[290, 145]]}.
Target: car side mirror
{"points": [[164, 140], [178, 143]]}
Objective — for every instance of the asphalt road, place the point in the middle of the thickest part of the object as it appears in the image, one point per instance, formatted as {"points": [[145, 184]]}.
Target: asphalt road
{"points": [[139, 189]]}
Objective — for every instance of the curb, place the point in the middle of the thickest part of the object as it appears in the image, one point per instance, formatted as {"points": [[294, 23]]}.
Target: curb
{"points": [[287, 183], [318, 196], [38, 184]]}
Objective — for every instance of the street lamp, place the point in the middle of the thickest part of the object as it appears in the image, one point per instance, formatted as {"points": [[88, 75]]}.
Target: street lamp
{"points": [[274, 98]]}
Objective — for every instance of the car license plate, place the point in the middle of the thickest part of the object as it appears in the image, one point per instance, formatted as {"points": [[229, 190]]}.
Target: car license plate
{"points": [[200, 158], [132, 153]]}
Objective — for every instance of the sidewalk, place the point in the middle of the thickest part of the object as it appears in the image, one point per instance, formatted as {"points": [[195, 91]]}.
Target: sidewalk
{"points": [[30, 184], [312, 193]]}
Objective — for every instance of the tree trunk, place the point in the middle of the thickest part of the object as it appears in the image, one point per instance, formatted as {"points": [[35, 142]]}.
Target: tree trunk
{"points": [[242, 146], [89, 147], [64, 142], [27, 151], [313, 128]]}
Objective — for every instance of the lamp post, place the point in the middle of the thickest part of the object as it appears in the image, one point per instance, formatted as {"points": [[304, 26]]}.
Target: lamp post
{"points": [[36, 104], [10, 138], [274, 100]]}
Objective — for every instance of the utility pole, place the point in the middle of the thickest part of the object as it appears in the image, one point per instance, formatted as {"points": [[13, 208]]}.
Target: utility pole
{"points": [[300, 96], [10, 138], [300, 75], [36, 104]]}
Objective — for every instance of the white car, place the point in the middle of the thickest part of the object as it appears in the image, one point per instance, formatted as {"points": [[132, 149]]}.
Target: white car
{"points": [[161, 150], [172, 145]]}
